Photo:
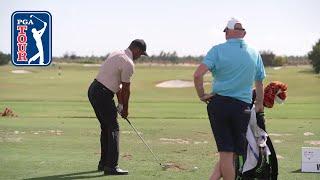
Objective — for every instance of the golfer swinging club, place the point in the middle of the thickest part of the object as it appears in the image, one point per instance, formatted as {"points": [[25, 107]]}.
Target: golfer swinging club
{"points": [[235, 67], [37, 37], [114, 77]]}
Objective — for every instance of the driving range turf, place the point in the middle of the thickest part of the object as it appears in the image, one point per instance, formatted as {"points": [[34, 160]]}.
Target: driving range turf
{"points": [[56, 134]]}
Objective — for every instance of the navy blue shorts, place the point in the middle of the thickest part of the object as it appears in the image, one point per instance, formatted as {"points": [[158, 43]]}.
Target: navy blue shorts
{"points": [[229, 120]]}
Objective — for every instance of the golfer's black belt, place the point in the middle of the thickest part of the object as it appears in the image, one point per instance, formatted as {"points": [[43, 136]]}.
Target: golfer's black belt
{"points": [[101, 86]]}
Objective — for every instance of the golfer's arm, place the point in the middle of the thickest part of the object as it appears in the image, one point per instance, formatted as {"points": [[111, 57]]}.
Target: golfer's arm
{"points": [[198, 79], [42, 30], [119, 97], [259, 92], [125, 94]]}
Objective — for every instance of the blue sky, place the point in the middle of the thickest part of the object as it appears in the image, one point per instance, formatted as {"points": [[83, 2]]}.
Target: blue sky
{"points": [[96, 27]]}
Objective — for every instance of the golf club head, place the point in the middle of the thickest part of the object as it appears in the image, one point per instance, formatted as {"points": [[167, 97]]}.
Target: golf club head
{"points": [[166, 166]]}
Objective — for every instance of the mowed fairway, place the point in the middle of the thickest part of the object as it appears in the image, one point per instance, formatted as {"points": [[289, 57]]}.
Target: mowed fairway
{"points": [[56, 134]]}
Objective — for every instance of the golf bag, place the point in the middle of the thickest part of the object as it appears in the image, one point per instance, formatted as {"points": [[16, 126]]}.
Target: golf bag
{"points": [[267, 165]]}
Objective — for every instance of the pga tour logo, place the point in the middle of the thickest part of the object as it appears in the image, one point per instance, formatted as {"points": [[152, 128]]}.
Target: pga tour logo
{"points": [[31, 38]]}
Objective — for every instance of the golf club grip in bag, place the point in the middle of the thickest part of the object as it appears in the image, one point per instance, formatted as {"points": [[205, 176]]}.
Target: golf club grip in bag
{"points": [[273, 161], [267, 166]]}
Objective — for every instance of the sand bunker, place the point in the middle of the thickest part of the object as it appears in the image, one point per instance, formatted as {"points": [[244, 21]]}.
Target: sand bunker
{"points": [[91, 65], [308, 134], [277, 68], [20, 71], [177, 84]]}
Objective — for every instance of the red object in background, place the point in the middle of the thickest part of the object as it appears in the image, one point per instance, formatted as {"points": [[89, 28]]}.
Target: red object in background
{"points": [[273, 90], [8, 113]]}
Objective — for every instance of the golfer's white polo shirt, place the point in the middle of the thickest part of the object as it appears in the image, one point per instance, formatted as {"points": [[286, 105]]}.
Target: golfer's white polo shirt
{"points": [[117, 68]]}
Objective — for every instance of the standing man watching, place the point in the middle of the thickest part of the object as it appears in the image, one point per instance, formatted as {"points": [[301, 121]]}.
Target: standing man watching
{"points": [[113, 78], [235, 67]]}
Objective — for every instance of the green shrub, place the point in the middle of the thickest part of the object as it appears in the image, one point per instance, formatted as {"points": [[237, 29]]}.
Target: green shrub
{"points": [[4, 58], [267, 57], [314, 56], [279, 61]]}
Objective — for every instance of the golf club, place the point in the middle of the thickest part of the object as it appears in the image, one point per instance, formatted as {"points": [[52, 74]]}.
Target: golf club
{"points": [[37, 18], [164, 166]]}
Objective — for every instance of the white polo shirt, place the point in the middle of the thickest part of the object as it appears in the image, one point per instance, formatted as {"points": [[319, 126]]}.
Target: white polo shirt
{"points": [[117, 68]]}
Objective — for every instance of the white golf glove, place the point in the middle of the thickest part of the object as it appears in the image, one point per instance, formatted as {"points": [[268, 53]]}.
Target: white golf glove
{"points": [[119, 108]]}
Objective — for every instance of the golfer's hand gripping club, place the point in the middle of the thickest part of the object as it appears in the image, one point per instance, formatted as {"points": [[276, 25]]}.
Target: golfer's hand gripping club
{"points": [[119, 108], [121, 112]]}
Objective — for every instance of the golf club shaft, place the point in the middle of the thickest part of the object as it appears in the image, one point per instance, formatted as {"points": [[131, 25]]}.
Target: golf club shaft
{"points": [[37, 18], [143, 140]]}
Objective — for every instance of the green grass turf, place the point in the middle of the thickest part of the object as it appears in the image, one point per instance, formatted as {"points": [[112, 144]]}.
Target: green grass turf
{"points": [[56, 135]]}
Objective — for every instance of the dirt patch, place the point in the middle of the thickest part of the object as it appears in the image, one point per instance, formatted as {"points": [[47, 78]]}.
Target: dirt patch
{"points": [[10, 139], [174, 141], [180, 151], [279, 156], [172, 166], [308, 134], [202, 133], [127, 157], [20, 71], [130, 132], [181, 141], [200, 142], [51, 132], [278, 135], [7, 112], [91, 65], [277, 141], [313, 142]]}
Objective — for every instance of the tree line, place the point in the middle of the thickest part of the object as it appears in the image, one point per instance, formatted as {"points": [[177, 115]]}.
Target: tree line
{"points": [[268, 58]]}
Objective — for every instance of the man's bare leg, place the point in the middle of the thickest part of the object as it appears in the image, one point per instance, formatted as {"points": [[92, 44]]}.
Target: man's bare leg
{"points": [[226, 165], [216, 174]]}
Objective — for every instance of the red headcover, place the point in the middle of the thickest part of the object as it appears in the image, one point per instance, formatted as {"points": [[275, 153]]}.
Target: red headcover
{"points": [[276, 90]]}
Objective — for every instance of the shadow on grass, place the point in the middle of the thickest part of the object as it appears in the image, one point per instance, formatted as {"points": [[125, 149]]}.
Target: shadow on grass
{"points": [[132, 117], [300, 172], [78, 175], [307, 71]]}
